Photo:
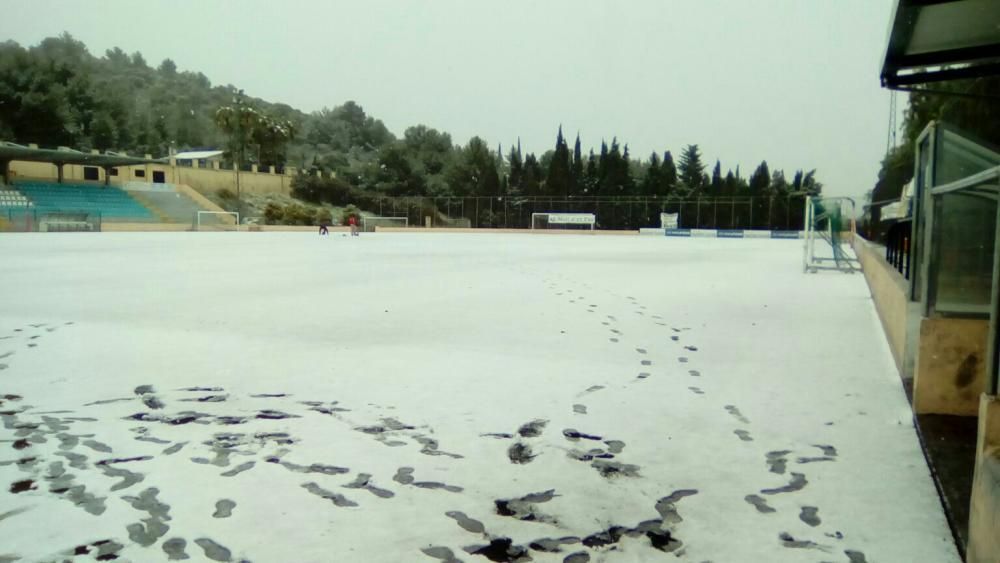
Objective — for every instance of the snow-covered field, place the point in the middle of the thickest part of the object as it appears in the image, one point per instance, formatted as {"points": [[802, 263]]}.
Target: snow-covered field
{"points": [[403, 397]]}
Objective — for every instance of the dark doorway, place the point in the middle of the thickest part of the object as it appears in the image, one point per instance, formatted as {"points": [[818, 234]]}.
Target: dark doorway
{"points": [[91, 173], [159, 177]]}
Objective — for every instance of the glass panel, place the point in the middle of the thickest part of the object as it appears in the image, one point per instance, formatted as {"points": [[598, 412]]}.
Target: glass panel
{"points": [[962, 260], [958, 157], [920, 187]]}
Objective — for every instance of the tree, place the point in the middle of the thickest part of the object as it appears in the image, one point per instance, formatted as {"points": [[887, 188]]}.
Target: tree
{"points": [[779, 185], [576, 185], [559, 177], [168, 67], [691, 169], [717, 179], [653, 181], [760, 180], [516, 179], [532, 176], [245, 125], [103, 131], [810, 184], [669, 172], [591, 179], [613, 170]]}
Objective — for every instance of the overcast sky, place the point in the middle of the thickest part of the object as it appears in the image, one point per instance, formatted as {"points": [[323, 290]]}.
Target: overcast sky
{"points": [[791, 81]]}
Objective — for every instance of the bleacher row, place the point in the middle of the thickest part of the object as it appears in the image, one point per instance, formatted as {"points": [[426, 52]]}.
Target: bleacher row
{"points": [[109, 202], [13, 198]]}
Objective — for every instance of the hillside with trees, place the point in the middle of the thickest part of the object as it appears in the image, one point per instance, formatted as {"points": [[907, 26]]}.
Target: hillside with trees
{"points": [[57, 93]]}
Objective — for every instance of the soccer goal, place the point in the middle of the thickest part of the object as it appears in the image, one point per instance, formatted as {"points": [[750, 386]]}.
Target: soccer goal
{"points": [[368, 224], [217, 221], [830, 219], [576, 221]]}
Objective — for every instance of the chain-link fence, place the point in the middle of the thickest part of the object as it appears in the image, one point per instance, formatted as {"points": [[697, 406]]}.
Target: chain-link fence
{"points": [[772, 212]]}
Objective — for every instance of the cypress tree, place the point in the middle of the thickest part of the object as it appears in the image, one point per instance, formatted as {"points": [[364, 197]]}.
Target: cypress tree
{"points": [[557, 181], [576, 185], [669, 172]]}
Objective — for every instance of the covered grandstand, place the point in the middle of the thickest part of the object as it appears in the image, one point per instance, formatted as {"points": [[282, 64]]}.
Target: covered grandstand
{"points": [[70, 203]]}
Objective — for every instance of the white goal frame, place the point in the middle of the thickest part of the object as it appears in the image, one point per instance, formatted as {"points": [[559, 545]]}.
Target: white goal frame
{"points": [[565, 219], [839, 258], [374, 220], [233, 222]]}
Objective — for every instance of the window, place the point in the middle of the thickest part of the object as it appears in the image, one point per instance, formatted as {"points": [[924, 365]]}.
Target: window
{"points": [[159, 177], [114, 171], [140, 173], [91, 173]]}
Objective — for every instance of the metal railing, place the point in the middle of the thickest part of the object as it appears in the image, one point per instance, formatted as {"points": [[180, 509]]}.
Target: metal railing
{"points": [[897, 246]]}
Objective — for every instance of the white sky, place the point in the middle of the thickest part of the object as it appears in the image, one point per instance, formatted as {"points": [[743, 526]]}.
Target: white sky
{"points": [[791, 81]]}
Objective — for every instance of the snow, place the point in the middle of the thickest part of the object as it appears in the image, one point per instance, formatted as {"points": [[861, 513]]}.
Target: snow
{"points": [[400, 339]]}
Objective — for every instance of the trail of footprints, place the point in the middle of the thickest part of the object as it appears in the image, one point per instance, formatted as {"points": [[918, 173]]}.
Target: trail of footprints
{"points": [[33, 432], [776, 460], [154, 526]]}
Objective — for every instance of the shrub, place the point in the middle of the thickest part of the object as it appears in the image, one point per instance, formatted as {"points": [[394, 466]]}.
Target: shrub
{"points": [[323, 216], [225, 193], [273, 214], [296, 214]]}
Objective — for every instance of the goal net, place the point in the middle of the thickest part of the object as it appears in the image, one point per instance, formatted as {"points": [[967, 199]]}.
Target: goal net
{"points": [[575, 221], [829, 235], [217, 221], [368, 224]]}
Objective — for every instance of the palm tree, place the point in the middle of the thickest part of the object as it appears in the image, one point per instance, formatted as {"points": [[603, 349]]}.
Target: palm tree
{"points": [[239, 121]]}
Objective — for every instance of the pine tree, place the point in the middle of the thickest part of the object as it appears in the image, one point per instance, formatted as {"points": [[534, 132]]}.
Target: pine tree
{"points": [[691, 169], [717, 179]]}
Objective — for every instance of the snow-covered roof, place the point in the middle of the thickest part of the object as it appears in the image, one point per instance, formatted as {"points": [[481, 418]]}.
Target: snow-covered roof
{"points": [[195, 155]]}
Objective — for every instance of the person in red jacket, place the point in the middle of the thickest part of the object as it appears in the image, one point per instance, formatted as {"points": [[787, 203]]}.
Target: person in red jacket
{"points": [[353, 222]]}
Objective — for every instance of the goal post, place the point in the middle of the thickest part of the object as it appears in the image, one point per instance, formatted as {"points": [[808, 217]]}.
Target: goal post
{"points": [[217, 221], [573, 221], [370, 223], [830, 229]]}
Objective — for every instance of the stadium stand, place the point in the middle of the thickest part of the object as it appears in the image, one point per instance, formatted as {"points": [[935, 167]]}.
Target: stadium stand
{"points": [[11, 198], [111, 203], [168, 204]]}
